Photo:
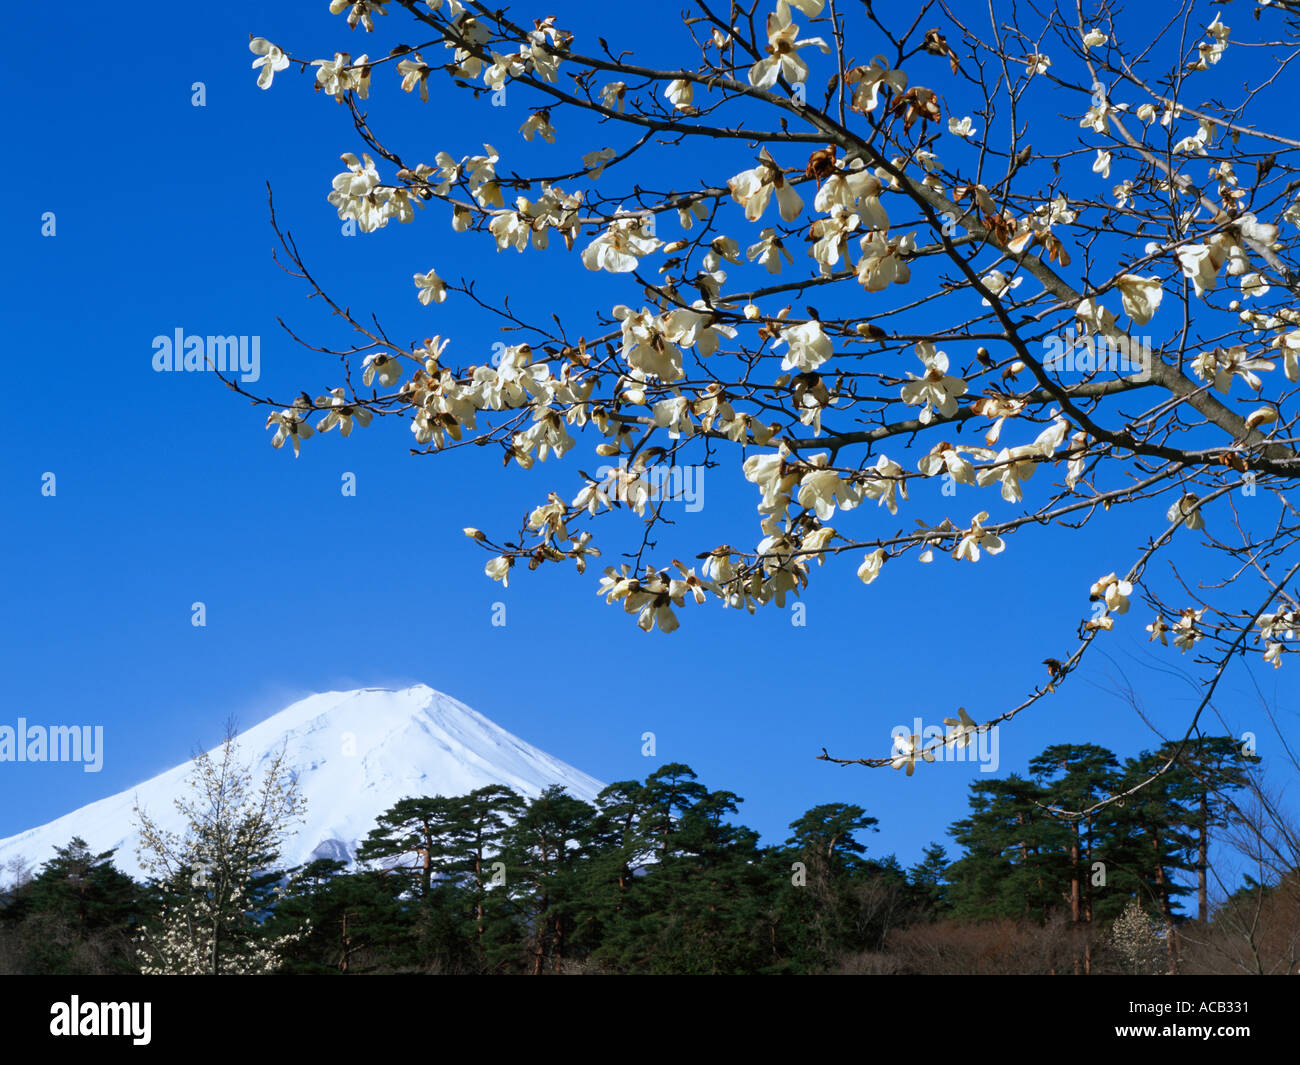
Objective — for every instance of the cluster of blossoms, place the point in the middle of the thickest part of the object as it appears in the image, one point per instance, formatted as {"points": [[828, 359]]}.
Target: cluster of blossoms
{"points": [[910, 749], [848, 236], [1186, 630], [1273, 629], [1112, 594]]}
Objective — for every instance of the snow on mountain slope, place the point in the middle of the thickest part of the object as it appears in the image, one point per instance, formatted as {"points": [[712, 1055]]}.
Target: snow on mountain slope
{"points": [[355, 754]]}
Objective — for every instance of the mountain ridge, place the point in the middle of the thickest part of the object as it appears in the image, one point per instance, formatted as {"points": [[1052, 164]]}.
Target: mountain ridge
{"points": [[355, 754]]}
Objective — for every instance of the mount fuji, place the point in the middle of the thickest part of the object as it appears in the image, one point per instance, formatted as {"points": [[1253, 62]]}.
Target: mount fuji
{"points": [[355, 754]]}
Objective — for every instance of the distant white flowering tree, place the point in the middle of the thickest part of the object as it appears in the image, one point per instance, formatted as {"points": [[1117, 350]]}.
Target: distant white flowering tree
{"points": [[211, 877], [1135, 936], [1052, 261]]}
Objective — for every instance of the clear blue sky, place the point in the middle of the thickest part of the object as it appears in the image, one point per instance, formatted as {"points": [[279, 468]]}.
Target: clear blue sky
{"points": [[168, 491]]}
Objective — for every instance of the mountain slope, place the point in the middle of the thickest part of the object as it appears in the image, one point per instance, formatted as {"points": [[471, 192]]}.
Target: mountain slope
{"points": [[354, 753]]}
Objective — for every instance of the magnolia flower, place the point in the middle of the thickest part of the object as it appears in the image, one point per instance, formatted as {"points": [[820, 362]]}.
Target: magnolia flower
{"points": [[694, 327], [937, 390], [1095, 117], [339, 75], [978, 538], [854, 189], [1094, 38], [617, 249], [870, 568], [646, 347], [783, 58], [1198, 263], [811, 8], [1195, 144], [1291, 355], [960, 728], [289, 426], [1186, 633], [883, 261], [768, 251], [1046, 442], [1254, 285], [1095, 317], [674, 414], [1158, 628], [1141, 296], [885, 484], [1282, 625], [946, 459], [830, 238], [907, 750], [1010, 468], [1221, 365], [998, 407], [499, 569], [1102, 163], [680, 93], [502, 68], [383, 366], [753, 189], [822, 489], [1114, 592], [1210, 52], [612, 96], [431, 286], [869, 80], [652, 597], [271, 60], [538, 123], [341, 413], [512, 230], [483, 178], [997, 283], [357, 193], [1188, 511], [595, 161], [1075, 467], [360, 11], [962, 128], [415, 73], [808, 346]]}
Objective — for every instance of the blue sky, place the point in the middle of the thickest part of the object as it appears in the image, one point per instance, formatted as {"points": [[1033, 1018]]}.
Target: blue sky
{"points": [[168, 491]]}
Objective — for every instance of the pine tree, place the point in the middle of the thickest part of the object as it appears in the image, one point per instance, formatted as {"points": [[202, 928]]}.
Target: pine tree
{"points": [[478, 823], [355, 922], [817, 904], [543, 850], [413, 840], [1075, 777], [928, 880], [79, 914], [1016, 861]]}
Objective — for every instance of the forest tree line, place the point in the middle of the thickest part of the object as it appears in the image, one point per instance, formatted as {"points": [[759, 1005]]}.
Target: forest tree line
{"points": [[656, 877]]}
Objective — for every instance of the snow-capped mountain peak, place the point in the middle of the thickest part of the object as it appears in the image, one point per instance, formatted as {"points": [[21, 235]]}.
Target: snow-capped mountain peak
{"points": [[354, 753]]}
